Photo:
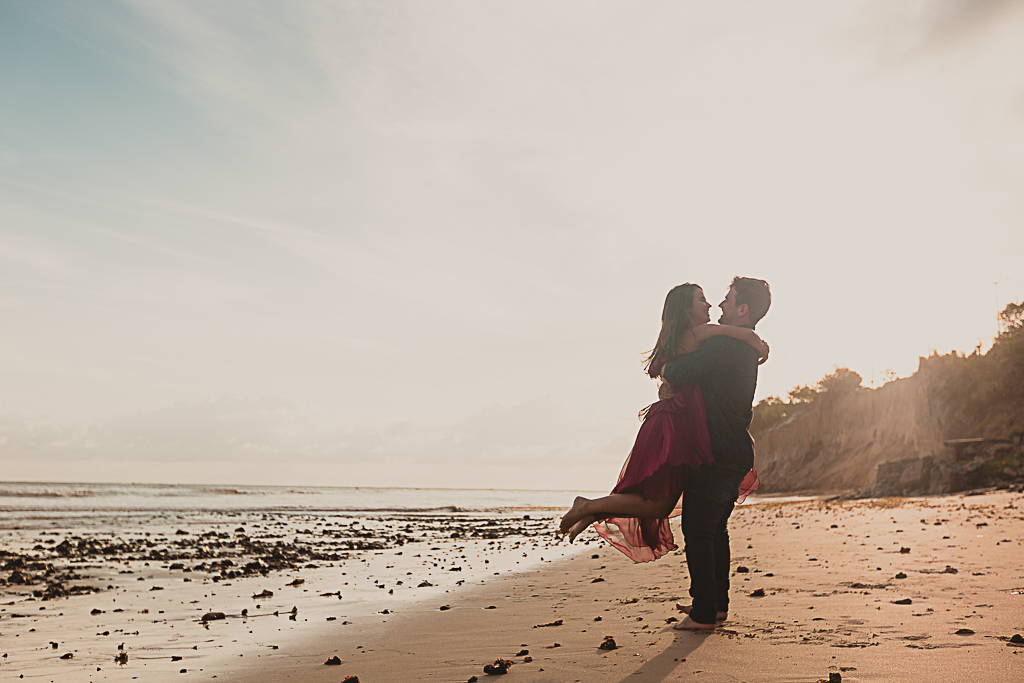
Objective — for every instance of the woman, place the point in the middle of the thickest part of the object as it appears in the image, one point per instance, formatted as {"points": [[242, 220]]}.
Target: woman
{"points": [[672, 441]]}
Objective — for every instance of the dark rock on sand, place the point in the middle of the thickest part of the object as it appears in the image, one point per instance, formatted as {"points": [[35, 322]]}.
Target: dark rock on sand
{"points": [[499, 667], [964, 632], [213, 616], [333, 661], [756, 593], [69, 655], [18, 578], [1016, 639], [608, 644], [904, 601], [557, 622]]}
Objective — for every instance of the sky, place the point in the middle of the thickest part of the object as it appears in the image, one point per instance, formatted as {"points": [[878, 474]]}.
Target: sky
{"points": [[427, 243]]}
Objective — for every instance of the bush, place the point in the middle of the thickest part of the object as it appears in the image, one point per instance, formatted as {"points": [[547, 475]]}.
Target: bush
{"points": [[841, 382]]}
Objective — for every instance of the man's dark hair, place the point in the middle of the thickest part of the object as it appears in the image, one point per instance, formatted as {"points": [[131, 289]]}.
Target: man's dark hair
{"points": [[755, 294]]}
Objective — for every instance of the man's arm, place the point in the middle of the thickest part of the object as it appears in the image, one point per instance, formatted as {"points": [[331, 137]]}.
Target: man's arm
{"points": [[695, 366]]}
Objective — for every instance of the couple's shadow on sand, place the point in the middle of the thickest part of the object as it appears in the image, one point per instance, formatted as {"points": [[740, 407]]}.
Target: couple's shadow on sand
{"points": [[668, 662]]}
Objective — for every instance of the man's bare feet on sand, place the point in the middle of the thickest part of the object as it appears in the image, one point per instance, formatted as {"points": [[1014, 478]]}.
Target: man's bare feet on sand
{"points": [[689, 624], [579, 527], [574, 515], [685, 609]]}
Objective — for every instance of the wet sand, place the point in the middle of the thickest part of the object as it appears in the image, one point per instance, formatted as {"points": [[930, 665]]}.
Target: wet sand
{"points": [[117, 595], [892, 589]]}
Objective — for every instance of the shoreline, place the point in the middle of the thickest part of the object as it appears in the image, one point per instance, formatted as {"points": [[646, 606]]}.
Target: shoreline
{"points": [[830, 571], [143, 581]]}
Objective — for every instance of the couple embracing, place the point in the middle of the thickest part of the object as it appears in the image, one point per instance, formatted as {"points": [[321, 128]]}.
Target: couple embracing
{"points": [[693, 442]]}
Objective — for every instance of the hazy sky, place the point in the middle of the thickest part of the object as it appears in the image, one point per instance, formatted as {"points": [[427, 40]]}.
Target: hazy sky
{"points": [[426, 243]]}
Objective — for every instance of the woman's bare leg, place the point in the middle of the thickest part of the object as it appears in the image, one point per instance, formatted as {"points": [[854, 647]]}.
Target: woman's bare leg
{"points": [[615, 505]]}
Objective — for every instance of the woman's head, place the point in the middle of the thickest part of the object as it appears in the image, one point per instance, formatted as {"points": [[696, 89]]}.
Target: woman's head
{"points": [[685, 308]]}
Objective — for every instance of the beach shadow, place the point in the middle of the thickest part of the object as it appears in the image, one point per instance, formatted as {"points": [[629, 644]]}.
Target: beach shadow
{"points": [[659, 668]]}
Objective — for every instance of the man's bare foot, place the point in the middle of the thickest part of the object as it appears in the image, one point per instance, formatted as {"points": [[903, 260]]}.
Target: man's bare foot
{"points": [[574, 515], [579, 527], [685, 609], [689, 624]]}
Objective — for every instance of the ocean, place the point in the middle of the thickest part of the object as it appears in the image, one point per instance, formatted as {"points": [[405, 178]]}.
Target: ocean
{"points": [[56, 497]]}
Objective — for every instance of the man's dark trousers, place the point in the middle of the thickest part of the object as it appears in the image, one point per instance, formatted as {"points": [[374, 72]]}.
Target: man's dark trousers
{"points": [[707, 504]]}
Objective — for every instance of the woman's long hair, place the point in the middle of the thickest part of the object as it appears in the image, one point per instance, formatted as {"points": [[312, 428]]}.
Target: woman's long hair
{"points": [[675, 323]]}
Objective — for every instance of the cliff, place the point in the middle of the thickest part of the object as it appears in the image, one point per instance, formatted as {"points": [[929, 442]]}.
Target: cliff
{"points": [[838, 441], [956, 423]]}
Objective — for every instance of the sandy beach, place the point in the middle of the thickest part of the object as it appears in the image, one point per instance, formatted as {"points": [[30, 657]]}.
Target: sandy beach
{"points": [[887, 589]]}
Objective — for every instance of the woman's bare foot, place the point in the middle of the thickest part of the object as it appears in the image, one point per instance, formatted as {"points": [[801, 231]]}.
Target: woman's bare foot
{"points": [[689, 624], [685, 609], [575, 514], [579, 527]]}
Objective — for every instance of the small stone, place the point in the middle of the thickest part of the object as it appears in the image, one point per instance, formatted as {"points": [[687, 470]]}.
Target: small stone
{"points": [[964, 632], [742, 570], [904, 601], [756, 593], [900, 575], [333, 661], [499, 667], [608, 644], [904, 551]]}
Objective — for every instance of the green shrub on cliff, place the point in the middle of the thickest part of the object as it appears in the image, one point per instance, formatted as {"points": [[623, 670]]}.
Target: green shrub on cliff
{"points": [[984, 393], [772, 410]]}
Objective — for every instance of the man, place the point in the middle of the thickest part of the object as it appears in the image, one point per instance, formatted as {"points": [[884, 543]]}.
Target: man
{"points": [[726, 370]]}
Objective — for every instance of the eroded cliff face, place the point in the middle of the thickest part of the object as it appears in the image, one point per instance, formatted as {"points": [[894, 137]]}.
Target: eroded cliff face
{"points": [[836, 443]]}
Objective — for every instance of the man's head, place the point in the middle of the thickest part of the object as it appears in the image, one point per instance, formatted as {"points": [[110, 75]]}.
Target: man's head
{"points": [[746, 303]]}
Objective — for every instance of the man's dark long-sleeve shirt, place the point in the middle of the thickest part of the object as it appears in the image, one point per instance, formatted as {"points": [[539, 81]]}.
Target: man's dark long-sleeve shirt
{"points": [[726, 370]]}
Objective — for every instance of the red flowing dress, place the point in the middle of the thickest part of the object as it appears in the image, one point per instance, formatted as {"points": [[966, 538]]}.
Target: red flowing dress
{"points": [[673, 440]]}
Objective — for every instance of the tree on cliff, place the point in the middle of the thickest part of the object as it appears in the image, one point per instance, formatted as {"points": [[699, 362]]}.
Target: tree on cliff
{"points": [[985, 392], [772, 410], [840, 383]]}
